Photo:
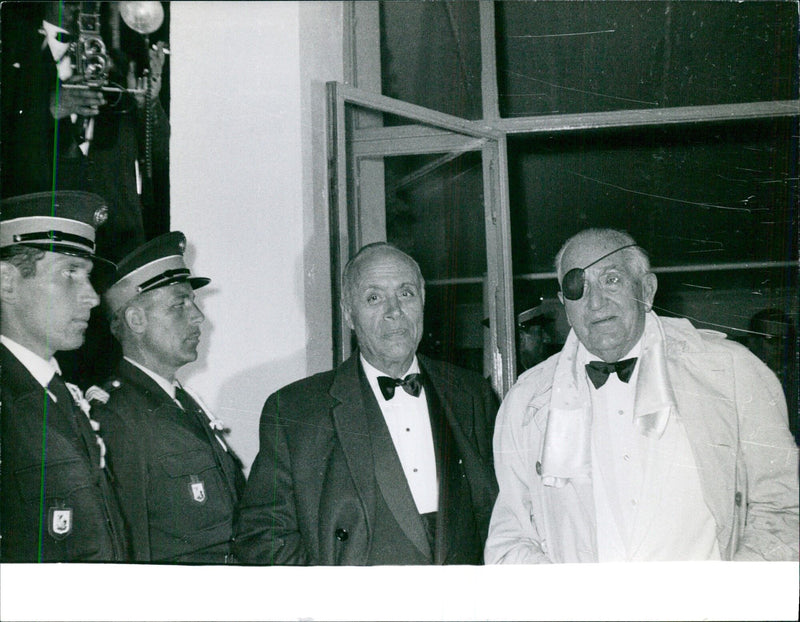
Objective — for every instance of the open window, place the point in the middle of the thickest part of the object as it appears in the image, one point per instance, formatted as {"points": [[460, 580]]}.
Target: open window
{"points": [[676, 121], [433, 185]]}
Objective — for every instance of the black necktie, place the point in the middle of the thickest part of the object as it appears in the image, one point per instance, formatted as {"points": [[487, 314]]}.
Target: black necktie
{"points": [[599, 371], [197, 417], [57, 387], [412, 384]]}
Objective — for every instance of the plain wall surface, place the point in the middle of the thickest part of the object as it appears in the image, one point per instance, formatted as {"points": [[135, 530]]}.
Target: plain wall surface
{"points": [[247, 168]]}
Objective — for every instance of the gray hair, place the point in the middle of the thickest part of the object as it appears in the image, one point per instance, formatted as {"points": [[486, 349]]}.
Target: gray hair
{"points": [[635, 256], [351, 268], [116, 318]]}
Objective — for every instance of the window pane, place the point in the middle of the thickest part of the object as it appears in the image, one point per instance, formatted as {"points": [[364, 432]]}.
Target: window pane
{"points": [[569, 57], [431, 55], [714, 194], [435, 213]]}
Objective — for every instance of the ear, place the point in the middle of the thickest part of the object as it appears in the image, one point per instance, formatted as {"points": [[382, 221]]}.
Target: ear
{"points": [[346, 314], [649, 287], [136, 319], [9, 282]]}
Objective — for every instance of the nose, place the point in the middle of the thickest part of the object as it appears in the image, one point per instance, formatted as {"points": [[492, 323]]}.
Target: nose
{"points": [[196, 316], [88, 296], [595, 298], [392, 308]]}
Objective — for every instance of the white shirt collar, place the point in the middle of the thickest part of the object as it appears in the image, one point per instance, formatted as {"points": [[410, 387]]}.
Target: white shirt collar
{"points": [[165, 384], [372, 372], [40, 369], [584, 356]]}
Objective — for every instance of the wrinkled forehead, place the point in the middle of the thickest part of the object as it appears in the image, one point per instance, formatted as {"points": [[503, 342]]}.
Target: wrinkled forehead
{"points": [[165, 295], [583, 252]]}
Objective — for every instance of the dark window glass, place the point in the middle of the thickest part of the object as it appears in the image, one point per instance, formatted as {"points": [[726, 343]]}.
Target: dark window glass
{"points": [[435, 213], [570, 57], [431, 55], [718, 193]]}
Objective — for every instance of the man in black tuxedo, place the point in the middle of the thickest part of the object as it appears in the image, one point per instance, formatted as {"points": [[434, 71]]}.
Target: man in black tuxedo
{"points": [[56, 503], [386, 459]]}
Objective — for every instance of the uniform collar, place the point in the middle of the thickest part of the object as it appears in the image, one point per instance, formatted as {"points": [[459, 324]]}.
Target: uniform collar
{"points": [[42, 370], [165, 384]]}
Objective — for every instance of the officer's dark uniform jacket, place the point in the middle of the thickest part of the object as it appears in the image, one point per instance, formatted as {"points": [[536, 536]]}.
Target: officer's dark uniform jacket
{"points": [[56, 500], [177, 485]]}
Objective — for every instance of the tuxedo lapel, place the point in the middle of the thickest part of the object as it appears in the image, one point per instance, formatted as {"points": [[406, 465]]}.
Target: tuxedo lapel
{"points": [[455, 524], [350, 422], [370, 452], [390, 476]]}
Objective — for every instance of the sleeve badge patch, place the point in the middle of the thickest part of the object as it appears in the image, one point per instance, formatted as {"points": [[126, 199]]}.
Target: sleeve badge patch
{"points": [[59, 522]]}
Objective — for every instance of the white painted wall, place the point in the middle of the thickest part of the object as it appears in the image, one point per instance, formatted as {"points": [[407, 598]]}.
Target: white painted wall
{"points": [[247, 167]]}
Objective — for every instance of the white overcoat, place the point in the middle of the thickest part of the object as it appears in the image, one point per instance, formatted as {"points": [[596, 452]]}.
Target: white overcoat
{"points": [[734, 413]]}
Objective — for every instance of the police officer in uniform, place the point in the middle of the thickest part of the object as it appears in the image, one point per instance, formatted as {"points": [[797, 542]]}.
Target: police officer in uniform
{"points": [[178, 482], [56, 502]]}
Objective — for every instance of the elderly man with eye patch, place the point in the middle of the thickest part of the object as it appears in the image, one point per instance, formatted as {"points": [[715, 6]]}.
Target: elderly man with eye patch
{"points": [[644, 439]]}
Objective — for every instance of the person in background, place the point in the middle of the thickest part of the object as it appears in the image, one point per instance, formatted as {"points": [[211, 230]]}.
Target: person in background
{"points": [[177, 480], [772, 338], [384, 460], [644, 439], [56, 501], [55, 136], [533, 337]]}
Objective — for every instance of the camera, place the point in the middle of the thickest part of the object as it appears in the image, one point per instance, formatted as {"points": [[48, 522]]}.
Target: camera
{"points": [[91, 61], [81, 55]]}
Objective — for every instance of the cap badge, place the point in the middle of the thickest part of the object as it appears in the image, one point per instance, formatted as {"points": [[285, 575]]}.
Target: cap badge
{"points": [[100, 216]]}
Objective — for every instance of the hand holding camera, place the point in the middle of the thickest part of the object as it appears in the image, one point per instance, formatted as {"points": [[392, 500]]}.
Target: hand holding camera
{"points": [[84, 102]]}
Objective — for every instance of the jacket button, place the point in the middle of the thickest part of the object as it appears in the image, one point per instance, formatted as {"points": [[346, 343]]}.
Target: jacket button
{"points": [[538, 468], [737, 499], [342, 535]]}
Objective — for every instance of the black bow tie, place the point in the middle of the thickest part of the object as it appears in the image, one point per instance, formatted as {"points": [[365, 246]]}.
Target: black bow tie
{"points": [[412, 384], [599, 371]]}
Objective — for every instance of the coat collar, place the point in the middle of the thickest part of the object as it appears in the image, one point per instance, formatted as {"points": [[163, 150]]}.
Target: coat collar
{"points": [[368, 455], [21, 383], [566, 451]]}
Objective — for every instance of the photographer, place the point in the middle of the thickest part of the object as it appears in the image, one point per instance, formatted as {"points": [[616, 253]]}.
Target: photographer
{"points": [[56, 136]]}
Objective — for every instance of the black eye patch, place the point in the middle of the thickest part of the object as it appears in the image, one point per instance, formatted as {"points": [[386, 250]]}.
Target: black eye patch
{"points": [[572, 284]]}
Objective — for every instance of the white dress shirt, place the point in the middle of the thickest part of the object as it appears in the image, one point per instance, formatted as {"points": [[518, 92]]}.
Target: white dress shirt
{"points": [[649, 504], [409, 425], [617, 458]]}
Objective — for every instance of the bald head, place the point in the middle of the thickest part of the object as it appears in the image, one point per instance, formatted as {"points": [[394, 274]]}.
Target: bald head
{"points": [[383, 296], [608, 311], [368, 254], [590, 244]]}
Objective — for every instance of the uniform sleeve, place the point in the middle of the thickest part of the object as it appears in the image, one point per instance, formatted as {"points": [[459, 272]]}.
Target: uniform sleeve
{"points": [[126, 456], [267, 530], [513, 537], [770, 530]]}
